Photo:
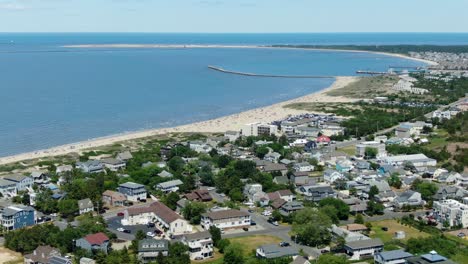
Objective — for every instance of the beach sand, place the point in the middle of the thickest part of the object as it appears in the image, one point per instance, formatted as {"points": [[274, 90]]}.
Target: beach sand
{"points": [[220, 125]]}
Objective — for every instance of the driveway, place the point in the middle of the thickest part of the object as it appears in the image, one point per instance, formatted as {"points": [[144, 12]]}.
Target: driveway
{"points": [[114, 222]]}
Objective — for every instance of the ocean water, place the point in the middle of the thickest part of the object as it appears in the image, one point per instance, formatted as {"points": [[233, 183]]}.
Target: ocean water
{"points": [[52, 95]]}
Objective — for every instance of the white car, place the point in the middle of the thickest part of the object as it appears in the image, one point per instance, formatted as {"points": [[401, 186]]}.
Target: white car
{"points": [[266, 213], [120, 229], [150, 234]]}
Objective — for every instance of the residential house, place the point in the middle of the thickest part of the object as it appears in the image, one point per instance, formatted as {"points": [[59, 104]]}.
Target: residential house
{"points": [[431, 257], [310, 132], [356, 205], [133, 191], [60, 260], [355, 228], [392, 257], [448, 177], [113, 164], [275, 168], [63, 168], [408, 198], [41, 255], [339, 232], [226, 219], [452, 212], [274, 251], [344, 165], [316, 193], [254, 192], [22, 182], [7, 188], [199, 146], [40, 177], [157, 213], [462, 180], [362, 165], [272, 157], [418, 160], [111, 198], [379, 147], [199, 196], [85, 206], [300, 178], [385, 194], [149, 249], [286, 195], [90, 166], [363, 248], [200, 245], [284, 180], [169, 186], [303, 167], [17, 216], [291, 207], [330, 176], [124, 156], [94, 242], [300, 260], [84, 260], [450, 192], [165, 174], [232, 135]]}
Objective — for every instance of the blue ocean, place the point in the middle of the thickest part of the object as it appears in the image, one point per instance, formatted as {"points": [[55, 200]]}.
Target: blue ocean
{"points": [[51, 95]]}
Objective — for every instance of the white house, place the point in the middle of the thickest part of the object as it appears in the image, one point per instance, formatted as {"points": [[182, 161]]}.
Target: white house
{"points": [[159, 214], [85, 206], [133, 191], [40, 177], [379, 147], [7, 188], [331, 176], [200, 245], [408, 198], [22, 182], [272, 157], [452, 212], [225, 219], [199, 146], [63, 168], [363, 248], [418, 160], [303, 167], [169, 186], [113, 164]]}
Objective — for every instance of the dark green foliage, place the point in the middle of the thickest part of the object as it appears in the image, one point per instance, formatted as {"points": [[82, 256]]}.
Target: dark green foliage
{"points": [[215, 235], [311, 227], [233, 254], [193, 211], [341, 207]]}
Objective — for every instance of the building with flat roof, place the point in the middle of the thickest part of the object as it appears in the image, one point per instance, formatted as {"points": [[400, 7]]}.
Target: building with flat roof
{"points": [[133, 191], [392, 257], [225, 219], [363, 248], [452, 212], [274, 251], [17, 216]]}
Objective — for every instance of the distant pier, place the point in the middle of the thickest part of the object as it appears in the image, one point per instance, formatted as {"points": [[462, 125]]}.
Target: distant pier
{"points": [[269, 75], [371, 72]]}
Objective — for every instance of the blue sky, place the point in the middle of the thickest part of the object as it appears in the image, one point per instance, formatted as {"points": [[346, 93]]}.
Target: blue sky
{"points": [[233, 16]]}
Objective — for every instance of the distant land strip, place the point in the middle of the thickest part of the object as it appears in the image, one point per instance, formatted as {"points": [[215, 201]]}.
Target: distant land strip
{"points": [[215, 68]]}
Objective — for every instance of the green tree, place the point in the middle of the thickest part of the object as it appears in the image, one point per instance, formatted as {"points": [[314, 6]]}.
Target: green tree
{"points": [[215, 235], [261, 151], [370, 153], [394, 181], [171, 200], [206, 176], [223, 244], [233, 254], [311, 227], [375, 208], [374, 190], [176, 164], [68, 207], [178, 254], [427, 189], [341, 207], [359, 219], [193, 211]]}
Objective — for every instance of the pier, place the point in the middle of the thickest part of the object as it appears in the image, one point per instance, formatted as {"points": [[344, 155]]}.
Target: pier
{"points": [[268, 75], [371, 72]]}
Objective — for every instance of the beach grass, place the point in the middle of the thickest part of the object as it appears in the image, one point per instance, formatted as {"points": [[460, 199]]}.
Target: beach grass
{"points": [[367, 87]]}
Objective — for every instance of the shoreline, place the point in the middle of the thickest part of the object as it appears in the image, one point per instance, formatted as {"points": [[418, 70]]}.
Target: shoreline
{"points": [[218, 125], [208, 46]]}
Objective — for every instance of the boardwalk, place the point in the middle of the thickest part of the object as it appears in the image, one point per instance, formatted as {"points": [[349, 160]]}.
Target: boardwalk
{"points": [[269, 75]]}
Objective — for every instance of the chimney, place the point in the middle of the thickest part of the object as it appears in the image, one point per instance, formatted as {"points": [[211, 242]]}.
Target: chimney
{"points": [[35, 253]]}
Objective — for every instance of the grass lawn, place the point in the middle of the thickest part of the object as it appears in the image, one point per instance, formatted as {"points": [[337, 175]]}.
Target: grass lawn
{"points": [[393, 226], [350, 150], [9, 256], [250, 243]]}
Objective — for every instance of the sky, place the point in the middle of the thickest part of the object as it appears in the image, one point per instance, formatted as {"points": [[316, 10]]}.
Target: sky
{"points": [[229, 16]]}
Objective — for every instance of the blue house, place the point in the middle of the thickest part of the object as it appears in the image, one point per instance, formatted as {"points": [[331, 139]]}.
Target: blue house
{"points": [[17, 216]]}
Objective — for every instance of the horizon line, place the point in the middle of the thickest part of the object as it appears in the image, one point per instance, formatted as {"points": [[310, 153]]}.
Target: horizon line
{"points": [[183, 32]]}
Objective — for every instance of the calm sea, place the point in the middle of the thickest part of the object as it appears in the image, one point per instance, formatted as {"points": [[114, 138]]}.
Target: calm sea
{"points": [[52, 95]]}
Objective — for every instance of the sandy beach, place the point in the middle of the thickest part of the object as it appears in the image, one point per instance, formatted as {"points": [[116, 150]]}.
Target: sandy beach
{"points": [[222, 124]]}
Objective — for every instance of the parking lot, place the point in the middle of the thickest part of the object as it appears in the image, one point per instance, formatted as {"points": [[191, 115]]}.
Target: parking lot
{"points": [[114, 223]]}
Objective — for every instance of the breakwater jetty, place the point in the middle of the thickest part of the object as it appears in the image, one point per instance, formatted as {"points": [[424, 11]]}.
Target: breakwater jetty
{"points": [[268, 75]]}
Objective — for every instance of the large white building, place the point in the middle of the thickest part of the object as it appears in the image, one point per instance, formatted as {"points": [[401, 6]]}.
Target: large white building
{"points": [[255, 129], [452, 212], [418, 160], [361, 148], [159, 214], [226, 219]]}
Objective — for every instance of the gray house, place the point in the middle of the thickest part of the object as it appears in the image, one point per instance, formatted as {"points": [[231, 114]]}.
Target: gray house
{"points": [[408, 198], [94, 242], [316, 193], [90, 166], [85, 206], [22, 182], [149, 249], [274, 251]]}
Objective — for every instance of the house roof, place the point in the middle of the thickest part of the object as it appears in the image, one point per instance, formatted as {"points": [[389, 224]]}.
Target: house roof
{"points": [[85, 203], [42, 254], [274, 167], [278, 203], [164, 212], [281, 179], [169, 184], [165, 174], [131, 185], [15, 177], [112, 161], [96, 239], [275, 251], [198, 235], [116, 196], [59, 260], [6, 183], [232, 213], [150, 244], [126, 155], [365, 243], [394, 255], [354, 227]]}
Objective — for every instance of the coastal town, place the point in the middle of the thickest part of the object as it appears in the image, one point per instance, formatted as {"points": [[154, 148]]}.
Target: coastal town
{"points": [[371, 177]]}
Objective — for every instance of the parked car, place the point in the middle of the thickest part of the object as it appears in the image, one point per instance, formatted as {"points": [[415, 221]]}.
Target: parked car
{"points": [[273, 222], [323, 251], [252, 223], [150, 234], [251, 211], [245, 229], [284, 244], [127, 231], [120, 229], [384, 228], [120, 214], [266, 213], [150, 225]]}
